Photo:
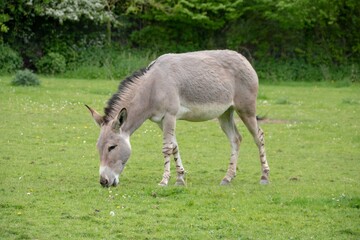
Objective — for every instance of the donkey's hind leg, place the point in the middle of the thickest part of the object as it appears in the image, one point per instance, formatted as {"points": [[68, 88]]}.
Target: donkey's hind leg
{"points": [[228, 126], [258, 135]]}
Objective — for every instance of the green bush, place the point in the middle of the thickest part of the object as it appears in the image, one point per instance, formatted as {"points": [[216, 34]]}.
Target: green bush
{"points": [[25, 78], [10, 61], [287, 71], [52, 63], [163, 39], [107, 63], [300, 71]]}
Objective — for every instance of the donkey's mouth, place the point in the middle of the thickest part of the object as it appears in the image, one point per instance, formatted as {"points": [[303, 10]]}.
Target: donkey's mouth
{"points": [[106, 183], [115, 182]]}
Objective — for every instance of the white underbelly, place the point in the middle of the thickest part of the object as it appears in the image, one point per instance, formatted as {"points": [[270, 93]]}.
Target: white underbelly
{"points": [[203, 112]]}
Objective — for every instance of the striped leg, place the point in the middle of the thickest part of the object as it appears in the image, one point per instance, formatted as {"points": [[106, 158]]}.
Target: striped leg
{"points": [[265, 170], [228, 126], [258, 135], [167, 150], [180, 180], [170, 147]]}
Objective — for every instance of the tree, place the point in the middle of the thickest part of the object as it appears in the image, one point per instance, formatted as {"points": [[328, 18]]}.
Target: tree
{"points": [[182, 25], [3, 19], [100, 11], [206, 14]]}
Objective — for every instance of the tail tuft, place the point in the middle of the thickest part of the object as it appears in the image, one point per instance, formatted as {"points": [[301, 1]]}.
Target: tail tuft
{"points": [[261, 118]]}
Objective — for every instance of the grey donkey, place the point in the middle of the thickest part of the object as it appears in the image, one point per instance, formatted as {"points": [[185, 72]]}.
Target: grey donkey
{"points": [[194, 86]]}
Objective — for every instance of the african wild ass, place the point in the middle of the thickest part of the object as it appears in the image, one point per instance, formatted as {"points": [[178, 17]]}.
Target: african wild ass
{"points": [[195, 86]]}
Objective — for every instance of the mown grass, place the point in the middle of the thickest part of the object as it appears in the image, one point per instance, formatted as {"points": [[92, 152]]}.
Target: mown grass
{"points": [[49, 164]]}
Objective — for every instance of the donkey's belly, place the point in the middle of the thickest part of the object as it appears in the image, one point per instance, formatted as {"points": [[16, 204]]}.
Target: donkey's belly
{"points": [[201, 112]]}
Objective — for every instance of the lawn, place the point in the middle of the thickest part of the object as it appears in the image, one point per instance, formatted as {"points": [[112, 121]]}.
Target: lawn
{"points": [[49, 183]]}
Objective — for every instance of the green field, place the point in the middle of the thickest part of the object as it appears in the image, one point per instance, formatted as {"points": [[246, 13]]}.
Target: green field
{"points": [[50, 185]]}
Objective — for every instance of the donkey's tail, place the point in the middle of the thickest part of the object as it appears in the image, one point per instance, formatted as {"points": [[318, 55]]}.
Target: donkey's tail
{"points": [[261, 118]]}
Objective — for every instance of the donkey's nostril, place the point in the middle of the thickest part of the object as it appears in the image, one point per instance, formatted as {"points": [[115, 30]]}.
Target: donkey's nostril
{"points": [[104, 182]]}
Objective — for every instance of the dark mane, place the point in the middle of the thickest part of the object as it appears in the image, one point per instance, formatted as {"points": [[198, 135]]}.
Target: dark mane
{"points": [[117, 97]]}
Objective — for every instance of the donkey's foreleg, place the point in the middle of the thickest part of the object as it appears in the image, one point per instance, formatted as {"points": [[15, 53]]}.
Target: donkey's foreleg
{"points": [[180, 180], [167, 151], [170, 147]]}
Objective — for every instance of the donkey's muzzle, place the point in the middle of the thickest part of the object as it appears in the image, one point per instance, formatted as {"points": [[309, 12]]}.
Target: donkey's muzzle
{"points": [[104, 182]]}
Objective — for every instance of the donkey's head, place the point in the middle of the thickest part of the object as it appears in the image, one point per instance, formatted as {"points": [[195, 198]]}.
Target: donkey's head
{"points": [[113, 146]]}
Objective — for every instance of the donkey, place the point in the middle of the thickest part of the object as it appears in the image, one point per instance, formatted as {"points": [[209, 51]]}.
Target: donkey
{"points": [[195, 86]]}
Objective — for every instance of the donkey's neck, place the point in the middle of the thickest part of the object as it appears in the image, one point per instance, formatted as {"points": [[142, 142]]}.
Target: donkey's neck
{"points": [[133, 95], [137, 111]]}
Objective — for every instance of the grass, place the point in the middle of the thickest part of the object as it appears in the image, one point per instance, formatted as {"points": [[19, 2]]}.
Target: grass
{"points": [[49, 183]]}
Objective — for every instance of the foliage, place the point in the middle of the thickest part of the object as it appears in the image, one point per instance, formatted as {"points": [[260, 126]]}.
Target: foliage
{"points": [[161, 39], [300, 71], [25, 78], [113, 63], [9, 59], [33, 34], [51, 63], [108, 63], [313, 153], [179, 26], [200, 13], [100, 11], [74, 10], [3, 19], [319, 33]]}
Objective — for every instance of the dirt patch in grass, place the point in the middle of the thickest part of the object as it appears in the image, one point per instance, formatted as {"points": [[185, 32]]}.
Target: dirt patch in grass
{"points": [[275, 121]]}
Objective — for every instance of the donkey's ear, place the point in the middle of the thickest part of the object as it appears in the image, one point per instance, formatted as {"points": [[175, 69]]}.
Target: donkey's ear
{"points": [[97, 117], [120, 119]]}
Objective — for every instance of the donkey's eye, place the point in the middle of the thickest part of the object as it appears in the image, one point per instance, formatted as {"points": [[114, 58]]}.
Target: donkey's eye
{"points": [[111, 148]]}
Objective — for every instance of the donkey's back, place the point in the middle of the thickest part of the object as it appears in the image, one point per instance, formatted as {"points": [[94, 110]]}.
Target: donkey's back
{"points": [[214, 66], [202, 85]]}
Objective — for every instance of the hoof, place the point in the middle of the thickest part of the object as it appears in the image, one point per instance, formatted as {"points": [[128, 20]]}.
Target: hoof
{"points": [[224, 182], [264, 182], [180, 182], [163, 183]]}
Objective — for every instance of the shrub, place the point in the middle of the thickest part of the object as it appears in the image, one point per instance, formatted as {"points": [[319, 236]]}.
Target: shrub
{"points": [[52, 63], [9, 59], [107, 63], [25, 78], [162, 39]]}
